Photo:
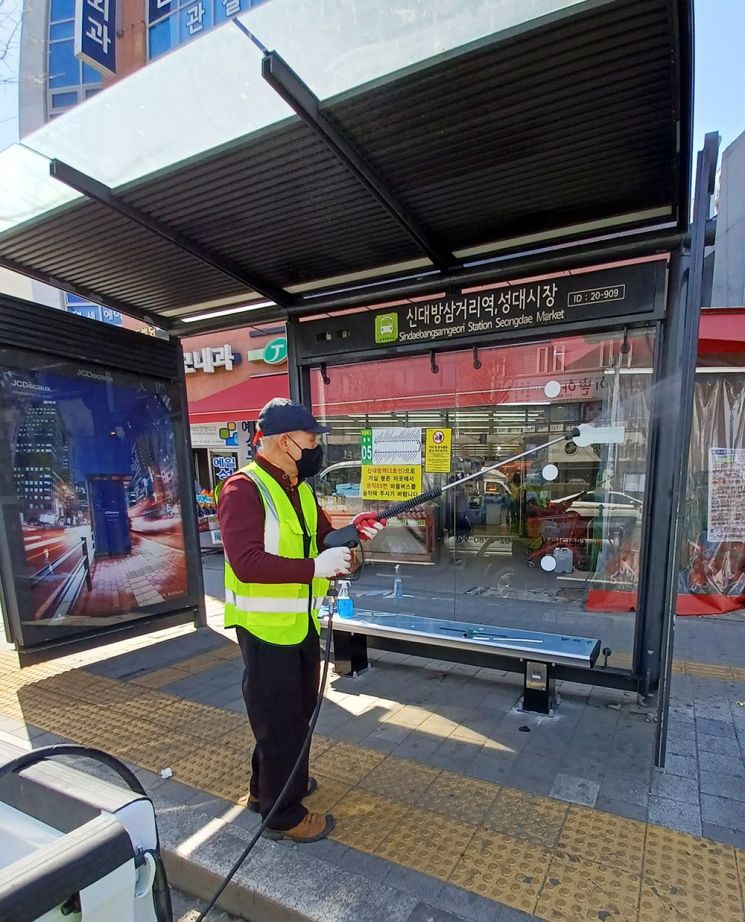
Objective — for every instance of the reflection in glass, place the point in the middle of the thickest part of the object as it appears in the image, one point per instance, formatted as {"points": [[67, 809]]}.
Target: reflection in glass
{"points": [[514, 547]]}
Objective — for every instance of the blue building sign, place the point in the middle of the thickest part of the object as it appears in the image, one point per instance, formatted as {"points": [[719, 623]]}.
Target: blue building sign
{"points": [[82, 308], [95, 34], [174, 22]]}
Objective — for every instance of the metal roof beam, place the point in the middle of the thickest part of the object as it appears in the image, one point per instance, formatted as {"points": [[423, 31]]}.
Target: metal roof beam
{"points": [[82, 291], [283, 79], [98, 192]]}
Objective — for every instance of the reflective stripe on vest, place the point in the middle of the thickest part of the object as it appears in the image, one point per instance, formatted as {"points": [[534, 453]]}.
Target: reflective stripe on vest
{"points": [[277, 612]]}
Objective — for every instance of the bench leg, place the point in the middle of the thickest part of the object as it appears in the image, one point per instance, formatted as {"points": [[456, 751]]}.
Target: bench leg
{"points": [[539, 688], [350, 653]]}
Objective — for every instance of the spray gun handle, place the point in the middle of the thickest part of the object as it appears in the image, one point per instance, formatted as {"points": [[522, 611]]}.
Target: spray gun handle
{"points": [[342, 537]]}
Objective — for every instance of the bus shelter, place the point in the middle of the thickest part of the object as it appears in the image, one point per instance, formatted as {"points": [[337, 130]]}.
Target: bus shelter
{"points": [[474, 219]]}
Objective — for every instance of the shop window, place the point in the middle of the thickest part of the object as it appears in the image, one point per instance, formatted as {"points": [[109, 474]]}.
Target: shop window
{"points": [[61, 30], [64, 100], [64, 69]]}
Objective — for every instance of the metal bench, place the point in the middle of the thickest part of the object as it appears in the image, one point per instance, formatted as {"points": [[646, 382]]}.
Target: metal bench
{"points": [[538, 655]]}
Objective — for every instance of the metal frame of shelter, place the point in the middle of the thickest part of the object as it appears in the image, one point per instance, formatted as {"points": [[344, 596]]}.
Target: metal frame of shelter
{"points": [[561, 144]]}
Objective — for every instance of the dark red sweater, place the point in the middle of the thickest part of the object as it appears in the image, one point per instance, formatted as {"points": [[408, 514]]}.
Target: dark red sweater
{"points": [[241, 515]]}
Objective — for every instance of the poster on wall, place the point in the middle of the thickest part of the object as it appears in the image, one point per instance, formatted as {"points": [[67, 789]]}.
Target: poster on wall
{"points": [[91, 454], [726, 495]]}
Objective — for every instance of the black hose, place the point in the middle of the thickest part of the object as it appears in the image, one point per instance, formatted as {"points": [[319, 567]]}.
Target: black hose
{"points": [[398, 509], [161, 890], [296, 768]]}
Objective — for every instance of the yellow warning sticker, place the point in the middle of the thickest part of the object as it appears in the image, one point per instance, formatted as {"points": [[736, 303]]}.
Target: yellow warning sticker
{"points": [[438, 450]]}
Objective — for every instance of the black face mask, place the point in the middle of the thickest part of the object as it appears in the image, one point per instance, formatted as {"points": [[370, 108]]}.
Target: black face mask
{"points": [[310, 461]]}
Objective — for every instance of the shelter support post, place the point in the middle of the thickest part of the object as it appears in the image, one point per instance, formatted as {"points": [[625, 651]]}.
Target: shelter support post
{"points": [[673, 399]]}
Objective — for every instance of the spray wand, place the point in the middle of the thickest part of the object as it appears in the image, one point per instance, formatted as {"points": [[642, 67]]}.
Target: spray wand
{"points": [[348, 536]]}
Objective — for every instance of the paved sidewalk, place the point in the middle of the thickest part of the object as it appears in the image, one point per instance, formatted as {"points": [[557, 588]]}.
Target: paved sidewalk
{"points": [[450, 803]]}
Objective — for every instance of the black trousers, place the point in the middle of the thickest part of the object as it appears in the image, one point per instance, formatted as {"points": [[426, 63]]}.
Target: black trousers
{"points": [[280, 688]]}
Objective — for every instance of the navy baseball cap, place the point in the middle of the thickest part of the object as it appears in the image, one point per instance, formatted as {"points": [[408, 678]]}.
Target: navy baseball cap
{"points": [[282, 415]]}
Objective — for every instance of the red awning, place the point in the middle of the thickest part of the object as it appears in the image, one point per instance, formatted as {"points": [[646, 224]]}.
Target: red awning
{"points": [[721, 330], [241, 401]]}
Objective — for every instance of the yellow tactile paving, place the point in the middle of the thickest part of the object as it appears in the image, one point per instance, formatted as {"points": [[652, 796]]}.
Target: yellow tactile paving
{"points": [[695, 878], [584, 891], [365, 819], [527, 816], [399, 778], [427, 842], [160, 678], [457, 796], [499, 867], [346, 762], [606, 840], [327, 796], [543, 856]]}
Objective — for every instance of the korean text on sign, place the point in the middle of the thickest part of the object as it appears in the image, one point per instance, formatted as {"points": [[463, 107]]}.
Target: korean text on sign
{"points": [[391, 483], [95, 33], [208, 359]]}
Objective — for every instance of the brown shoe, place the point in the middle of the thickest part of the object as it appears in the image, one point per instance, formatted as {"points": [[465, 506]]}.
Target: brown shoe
{"points": [[312, 828], [253, 802]]}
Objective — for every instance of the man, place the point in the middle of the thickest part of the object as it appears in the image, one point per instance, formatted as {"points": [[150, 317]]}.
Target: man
{"points": [[276, 575]]}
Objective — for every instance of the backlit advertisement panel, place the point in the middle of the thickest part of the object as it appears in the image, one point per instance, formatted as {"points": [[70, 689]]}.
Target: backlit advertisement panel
{"points": [[96, 529]]}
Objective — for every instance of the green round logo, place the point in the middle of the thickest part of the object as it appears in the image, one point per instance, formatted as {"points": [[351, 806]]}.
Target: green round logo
{"points": [[275, 351]]}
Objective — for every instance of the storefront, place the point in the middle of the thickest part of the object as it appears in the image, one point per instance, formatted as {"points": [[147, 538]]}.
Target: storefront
{"points": [[712, 552], [229, 377]]}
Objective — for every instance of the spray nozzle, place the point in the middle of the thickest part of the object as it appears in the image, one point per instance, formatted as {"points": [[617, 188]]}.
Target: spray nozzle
{"points": [[587, 434], [572, 434]]}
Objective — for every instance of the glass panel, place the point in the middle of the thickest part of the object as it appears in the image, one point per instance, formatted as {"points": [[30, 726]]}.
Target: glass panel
{"points": [[163, 36], [62, 100], [28, 189], [61, 30], [712, 552], [535, 544], [178, 116], [89, 93], [62, 9], [64, 68], [90, 74]]}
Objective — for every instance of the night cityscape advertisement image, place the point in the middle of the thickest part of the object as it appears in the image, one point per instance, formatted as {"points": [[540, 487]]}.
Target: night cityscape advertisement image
{"points": [[94, 463]]}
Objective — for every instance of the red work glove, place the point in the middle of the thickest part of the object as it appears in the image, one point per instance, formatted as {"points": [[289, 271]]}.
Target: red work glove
{"points": [[368, 525]]}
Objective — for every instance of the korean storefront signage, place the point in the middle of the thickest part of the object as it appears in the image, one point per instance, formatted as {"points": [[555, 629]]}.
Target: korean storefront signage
{"points": [[214, 435], [273, 353], [224, 465], [437, 453], [726, 494], [208, 359], [82, 308], [95, 34], [391, 482]]}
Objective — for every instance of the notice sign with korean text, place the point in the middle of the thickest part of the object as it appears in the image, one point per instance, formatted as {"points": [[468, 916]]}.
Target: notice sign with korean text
{"points": [[391, 483], [438, 450], [397, 445], [366, 438], [95, 34], [726, 494]]}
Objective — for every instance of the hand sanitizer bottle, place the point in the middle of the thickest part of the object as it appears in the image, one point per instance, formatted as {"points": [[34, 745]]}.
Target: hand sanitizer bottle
{"points": [[344, 602]]}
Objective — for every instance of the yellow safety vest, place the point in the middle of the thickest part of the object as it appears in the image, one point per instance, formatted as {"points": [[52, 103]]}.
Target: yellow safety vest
{"points": [[277, 612]]}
